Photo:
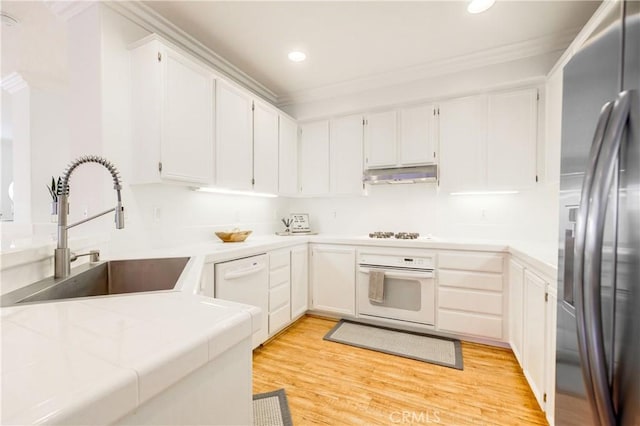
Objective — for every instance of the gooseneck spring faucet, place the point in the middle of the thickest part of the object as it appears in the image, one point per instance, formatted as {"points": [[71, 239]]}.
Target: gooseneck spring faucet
{"points": [[62, 254]]}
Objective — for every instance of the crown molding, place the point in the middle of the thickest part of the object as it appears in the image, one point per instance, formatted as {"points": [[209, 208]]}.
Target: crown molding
{"points": [[153, 22], [67, 9], [13, 83], [483, 58]]}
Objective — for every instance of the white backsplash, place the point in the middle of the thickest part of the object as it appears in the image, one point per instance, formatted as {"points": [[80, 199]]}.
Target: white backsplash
{"points": [[529, 215]]}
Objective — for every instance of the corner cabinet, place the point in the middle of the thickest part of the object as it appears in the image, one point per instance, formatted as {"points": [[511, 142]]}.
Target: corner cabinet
{"points": [[512, 139], [173, 116], [489, 142], [333, 279], [265, 148], [234, 144], [345, 148], [287, 156], [462, 127], [299, 281], [313, 158]]}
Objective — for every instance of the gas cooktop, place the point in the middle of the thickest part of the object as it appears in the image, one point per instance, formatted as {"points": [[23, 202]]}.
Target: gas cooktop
{"points": [[396, 235]]}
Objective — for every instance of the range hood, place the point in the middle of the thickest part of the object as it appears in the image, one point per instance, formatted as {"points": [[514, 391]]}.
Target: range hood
{"points": [[401, 175]]}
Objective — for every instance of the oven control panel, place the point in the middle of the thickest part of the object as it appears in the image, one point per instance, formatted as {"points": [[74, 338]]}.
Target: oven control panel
{"points": [[416, 262]]}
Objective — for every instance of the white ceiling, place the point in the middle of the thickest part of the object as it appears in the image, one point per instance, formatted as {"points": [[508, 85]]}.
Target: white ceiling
{"points": [[350, 42]]}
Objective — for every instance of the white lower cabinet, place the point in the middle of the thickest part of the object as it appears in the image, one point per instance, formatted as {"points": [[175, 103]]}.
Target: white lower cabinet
{"points": [[516, 308], [299, 281], [470, 294], [279, 290], [534, 333], [333, 279], [532, 330]]}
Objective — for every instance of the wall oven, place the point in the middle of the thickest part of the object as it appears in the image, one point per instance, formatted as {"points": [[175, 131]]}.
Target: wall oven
{"points": [[409, 289]]}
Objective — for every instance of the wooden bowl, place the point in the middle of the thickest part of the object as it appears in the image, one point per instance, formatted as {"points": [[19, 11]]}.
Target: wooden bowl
{"points": [[233, 236]]}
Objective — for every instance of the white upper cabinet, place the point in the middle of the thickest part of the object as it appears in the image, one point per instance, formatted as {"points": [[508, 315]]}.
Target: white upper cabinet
{"points": [[511, 139], [418, 135], [346, 139], [234, 145], [313, 158], [173, 116], [288, 156], [462, 125], [380, 136], [265, 148]]}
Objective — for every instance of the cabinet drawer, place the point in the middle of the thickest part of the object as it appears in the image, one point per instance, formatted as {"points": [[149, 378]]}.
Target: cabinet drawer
{"points": [[472, 280], [468, 323], [279, 277], [279, 319], [484, 262], [279, 296], [278, 259], [471, 301]]}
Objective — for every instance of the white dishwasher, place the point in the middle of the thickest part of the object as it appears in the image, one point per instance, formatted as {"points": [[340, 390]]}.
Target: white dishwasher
{"points": [[246, 281]]}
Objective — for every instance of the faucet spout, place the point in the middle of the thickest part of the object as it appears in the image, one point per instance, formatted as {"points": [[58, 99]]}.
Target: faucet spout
{"points": [[62, 254]]}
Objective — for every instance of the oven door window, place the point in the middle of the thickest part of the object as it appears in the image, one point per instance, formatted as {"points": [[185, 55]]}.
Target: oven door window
{"points": [[401, 293]]}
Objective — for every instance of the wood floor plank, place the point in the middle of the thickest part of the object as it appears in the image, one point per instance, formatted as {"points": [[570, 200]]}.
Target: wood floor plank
{"points": [[335, 384]]}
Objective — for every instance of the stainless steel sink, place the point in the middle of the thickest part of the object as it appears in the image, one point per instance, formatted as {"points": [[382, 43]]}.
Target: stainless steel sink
{"points": [[112, 277]]}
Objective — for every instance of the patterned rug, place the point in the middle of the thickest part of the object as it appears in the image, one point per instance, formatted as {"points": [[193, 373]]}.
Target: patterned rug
{"points": [[271, 409], [408, 344]]}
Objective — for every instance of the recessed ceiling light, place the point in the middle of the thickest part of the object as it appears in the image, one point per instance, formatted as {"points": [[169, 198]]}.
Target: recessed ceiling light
{"points": [[479, 6], [297, 56]]}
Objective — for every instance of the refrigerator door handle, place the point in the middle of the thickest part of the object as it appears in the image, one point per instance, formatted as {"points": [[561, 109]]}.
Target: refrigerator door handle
{"points": [[594, 235], [579, 243]]}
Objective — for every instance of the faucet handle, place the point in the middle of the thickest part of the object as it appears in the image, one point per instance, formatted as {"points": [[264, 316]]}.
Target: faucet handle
{"points": [[94, 256]]}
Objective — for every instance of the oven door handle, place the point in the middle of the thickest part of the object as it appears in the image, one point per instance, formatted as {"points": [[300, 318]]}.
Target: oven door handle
{"points": [[392, 273]]}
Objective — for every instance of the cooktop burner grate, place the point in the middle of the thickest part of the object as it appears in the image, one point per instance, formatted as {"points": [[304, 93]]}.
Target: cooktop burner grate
{"points": [[397, 235]]}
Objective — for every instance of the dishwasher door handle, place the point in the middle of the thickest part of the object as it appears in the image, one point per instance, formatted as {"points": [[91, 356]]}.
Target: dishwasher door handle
{"points": [[253, 269]]}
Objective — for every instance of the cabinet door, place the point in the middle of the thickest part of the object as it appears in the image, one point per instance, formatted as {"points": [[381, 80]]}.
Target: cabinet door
{"points": [[186, 146], [417, 135], [234, 145], [346, 155], [333, 279], [512, 139], [287, 156], [299, 281], [534, 333], [314, 158], [265, 149], [516, 293], [380, 138], [553, 126], [462, 137], [550, 360]]}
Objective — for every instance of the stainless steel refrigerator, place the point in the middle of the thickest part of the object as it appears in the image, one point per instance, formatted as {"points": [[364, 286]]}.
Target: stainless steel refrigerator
{"points": [[598, 328]]}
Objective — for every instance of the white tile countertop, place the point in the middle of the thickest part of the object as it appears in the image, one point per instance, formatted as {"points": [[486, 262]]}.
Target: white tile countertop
{"points": [[93, 360], [79, 360]]}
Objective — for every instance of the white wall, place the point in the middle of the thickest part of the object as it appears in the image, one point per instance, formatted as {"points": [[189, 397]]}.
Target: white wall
{"points": [[156, 215], [498, 76], [422, 208]]}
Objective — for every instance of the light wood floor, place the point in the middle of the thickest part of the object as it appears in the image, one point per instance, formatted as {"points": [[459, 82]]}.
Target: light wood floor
{"points": [[335, 384]]}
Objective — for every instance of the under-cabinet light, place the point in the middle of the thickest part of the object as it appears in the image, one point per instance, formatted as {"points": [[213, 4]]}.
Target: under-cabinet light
{"points": [[234, 192], [484, 193], [479, 6]]}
